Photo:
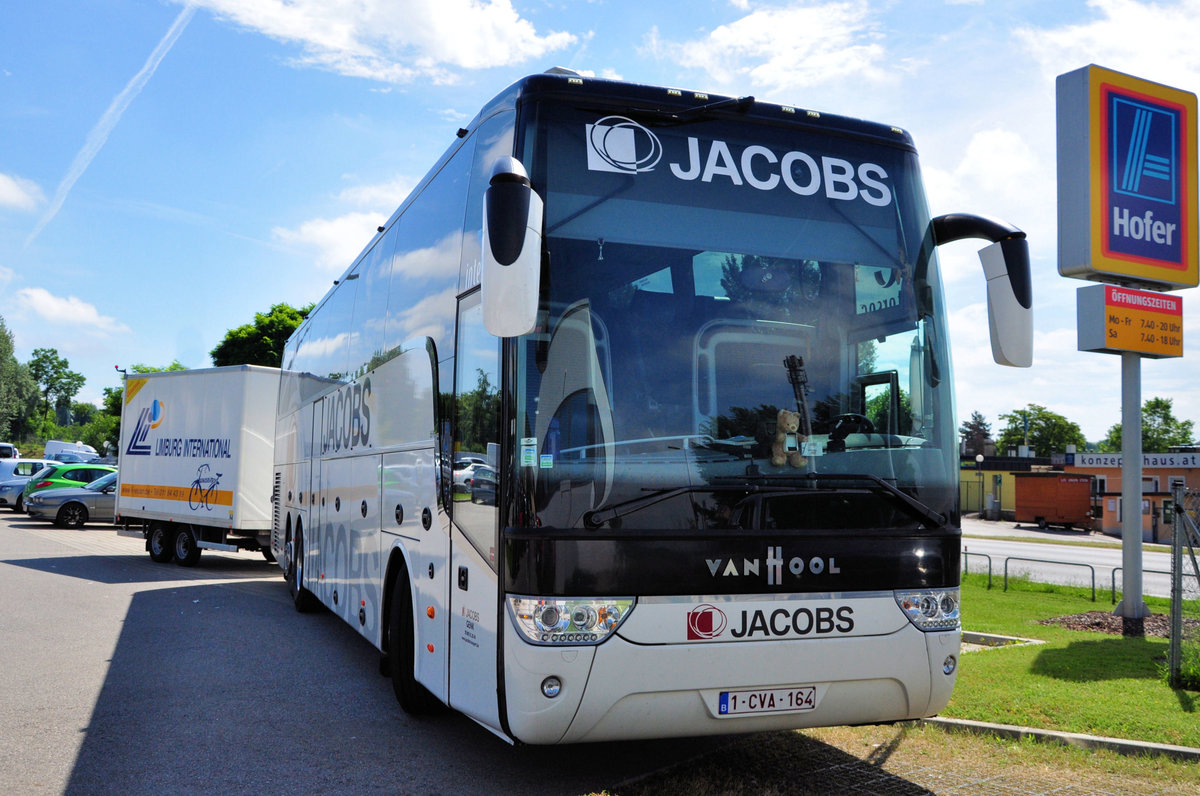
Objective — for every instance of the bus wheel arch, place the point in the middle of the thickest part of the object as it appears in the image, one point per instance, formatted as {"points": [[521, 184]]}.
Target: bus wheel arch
{"points": [[400, 641]]}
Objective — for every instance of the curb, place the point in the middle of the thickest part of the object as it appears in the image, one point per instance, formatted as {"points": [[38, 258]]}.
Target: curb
{"points": [[1080, 741]]}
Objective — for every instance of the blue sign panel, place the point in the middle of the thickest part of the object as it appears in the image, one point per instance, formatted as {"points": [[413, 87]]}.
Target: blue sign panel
{"points": [[1145, 197], [1127, 185]]}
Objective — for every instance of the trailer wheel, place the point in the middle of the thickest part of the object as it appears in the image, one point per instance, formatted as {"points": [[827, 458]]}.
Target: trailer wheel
{"points": [[304, 600], [413, 697], [186, 551], [160, 544]]}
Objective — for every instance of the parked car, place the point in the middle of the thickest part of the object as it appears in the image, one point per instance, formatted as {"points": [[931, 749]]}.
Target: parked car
{"points": [[72, 506], [60, 474], [9, 451], [462, 476], [14, 475], [483, 485], [70, 456]]}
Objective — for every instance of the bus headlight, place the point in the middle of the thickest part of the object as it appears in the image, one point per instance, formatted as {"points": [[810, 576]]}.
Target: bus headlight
{"points": [[568, 620], [930, 609]]}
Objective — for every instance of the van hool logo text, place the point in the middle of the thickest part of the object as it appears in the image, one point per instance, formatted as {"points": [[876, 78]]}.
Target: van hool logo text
{"points": [[772, 567]]}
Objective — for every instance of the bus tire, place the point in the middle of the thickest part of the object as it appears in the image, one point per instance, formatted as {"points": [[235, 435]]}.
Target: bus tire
{"points": [[303, 599], [413, 697], [160, 544], [187, 553]]}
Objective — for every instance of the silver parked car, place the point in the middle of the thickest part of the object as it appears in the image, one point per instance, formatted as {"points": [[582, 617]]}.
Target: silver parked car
{"points": [[14, 474], [72, 506]]}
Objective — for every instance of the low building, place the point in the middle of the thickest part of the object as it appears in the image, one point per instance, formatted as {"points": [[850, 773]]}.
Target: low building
{"points": [[1160, 473]]}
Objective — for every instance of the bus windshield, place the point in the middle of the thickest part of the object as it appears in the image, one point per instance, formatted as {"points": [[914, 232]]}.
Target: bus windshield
{"points": [[740, 328]]}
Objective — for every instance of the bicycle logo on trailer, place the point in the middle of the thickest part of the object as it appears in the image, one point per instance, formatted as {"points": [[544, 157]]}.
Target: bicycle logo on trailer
{"points": [[203, 489]]}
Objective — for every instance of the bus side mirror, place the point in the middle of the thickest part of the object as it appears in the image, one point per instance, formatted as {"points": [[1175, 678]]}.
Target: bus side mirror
{"points": [[512, 251], [1009, 286]]}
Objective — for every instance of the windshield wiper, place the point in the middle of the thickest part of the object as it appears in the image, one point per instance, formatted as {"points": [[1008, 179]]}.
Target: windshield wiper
{"points": [[594, 518], [931, 517]]}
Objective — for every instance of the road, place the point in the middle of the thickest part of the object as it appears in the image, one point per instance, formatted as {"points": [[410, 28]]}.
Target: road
{"points": [[1072, 548], [125, 676]]}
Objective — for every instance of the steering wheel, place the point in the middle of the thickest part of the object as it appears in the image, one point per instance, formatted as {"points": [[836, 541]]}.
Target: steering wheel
{"points": [[851, 423]]}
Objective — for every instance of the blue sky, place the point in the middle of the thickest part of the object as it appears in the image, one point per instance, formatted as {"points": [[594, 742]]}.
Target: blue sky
{"points": [[169, 169]]}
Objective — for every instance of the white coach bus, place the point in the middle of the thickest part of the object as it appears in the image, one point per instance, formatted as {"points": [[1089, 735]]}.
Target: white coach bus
{"points": [[694, 351]]}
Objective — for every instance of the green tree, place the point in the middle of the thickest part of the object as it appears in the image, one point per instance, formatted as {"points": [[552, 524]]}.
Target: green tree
{"points": [[1161, 430], [1048, 432], [18, 392], [54, 378], [260, 342], [975, 434]]}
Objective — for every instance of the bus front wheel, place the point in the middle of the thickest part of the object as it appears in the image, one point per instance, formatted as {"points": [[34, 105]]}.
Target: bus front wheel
{"points": [[413, 697]]}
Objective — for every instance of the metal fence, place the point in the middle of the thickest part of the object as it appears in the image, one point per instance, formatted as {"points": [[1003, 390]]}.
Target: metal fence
{"points": [[1184, 654]]}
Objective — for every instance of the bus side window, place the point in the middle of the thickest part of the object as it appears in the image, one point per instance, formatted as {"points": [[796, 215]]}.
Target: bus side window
{"points": [[477, 426]]}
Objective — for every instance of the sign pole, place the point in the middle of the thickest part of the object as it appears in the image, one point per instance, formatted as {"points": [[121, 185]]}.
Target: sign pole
{"points": [[1132, 608]]}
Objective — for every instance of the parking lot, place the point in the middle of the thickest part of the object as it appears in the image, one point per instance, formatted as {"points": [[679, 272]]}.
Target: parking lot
{"points": [[122, 675]]}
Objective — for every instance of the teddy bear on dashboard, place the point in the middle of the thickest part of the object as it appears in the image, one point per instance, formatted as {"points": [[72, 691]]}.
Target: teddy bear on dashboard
{"points": [[786, 447]]}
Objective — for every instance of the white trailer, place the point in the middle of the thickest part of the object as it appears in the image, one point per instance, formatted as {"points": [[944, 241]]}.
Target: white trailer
{"points": [[196, 460]]}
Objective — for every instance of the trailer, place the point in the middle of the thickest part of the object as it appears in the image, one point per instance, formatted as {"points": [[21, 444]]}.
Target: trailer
{"points": [[195, 461], [1045, 499]]}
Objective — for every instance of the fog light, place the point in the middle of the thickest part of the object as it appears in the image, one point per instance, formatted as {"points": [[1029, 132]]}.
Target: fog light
{"points": [[948, 665], [551, 687]]}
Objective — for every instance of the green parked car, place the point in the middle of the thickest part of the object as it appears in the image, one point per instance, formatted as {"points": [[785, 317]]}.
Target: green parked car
{"points": [[60, 474]]}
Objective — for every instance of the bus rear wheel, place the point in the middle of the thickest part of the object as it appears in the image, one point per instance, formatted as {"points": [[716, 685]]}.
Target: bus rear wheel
{"points": [[413, 697], [303, 599]]}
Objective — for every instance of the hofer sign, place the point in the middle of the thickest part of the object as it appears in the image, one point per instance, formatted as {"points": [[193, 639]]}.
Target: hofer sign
{"points": [[1127, 193]]}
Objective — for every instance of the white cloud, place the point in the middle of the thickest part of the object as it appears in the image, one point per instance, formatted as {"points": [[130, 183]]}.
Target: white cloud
{"points": [[334, 242], [385, 194], [1156, 41], [396, 42], [787, 48], [1001, 166], [429, 261], [68, 312], [19, 193], [6, 275]]}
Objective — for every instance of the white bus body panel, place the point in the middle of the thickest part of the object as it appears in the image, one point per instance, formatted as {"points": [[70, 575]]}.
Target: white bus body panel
{"points": [[858, 678], [473, 634], [197, 447]]}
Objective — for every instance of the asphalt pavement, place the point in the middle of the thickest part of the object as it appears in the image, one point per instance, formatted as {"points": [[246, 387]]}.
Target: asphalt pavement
{"points": [[125, 676]]}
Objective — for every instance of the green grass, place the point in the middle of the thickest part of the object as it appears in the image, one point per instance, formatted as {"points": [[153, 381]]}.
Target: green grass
{"points": [[1077, 681]]}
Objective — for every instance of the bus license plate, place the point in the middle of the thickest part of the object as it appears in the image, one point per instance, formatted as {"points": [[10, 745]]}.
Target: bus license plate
{"points": [[769, 700]]}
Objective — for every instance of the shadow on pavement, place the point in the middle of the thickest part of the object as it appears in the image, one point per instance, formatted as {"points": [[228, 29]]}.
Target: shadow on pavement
{"points": [[140, 569], [213, 689]]}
